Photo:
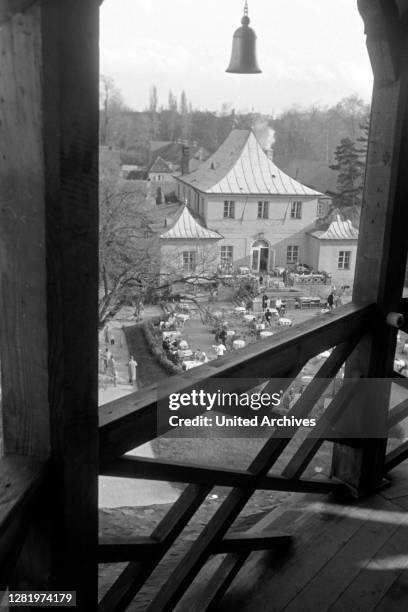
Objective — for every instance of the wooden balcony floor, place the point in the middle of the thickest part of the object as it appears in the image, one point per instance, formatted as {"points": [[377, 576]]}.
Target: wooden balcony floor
{"points": [[344, 557]]}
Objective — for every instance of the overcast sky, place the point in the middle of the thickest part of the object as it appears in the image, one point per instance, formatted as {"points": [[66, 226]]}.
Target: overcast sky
{"points": [[309, 51]]}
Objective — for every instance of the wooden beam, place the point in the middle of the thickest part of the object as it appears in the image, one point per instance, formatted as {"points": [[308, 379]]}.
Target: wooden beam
{"points": [[173, 471], [20, 481], [384, 30], [23, 306], [219, 524], [124, 589], [49, 105], [241, 542], [395, 457], [10, 8], [113, 550], [382, 247], [398, 413], [219, 582], [301, 459], [130, 421]]}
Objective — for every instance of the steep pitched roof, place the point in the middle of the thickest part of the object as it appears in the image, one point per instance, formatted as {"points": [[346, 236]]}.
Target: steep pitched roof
{"points": [[160, 165], [185, 226], [173, 152], [240, 166], [338, 230]]}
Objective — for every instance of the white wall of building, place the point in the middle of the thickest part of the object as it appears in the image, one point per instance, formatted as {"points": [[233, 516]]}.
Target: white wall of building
{"points": [[328, 258]]}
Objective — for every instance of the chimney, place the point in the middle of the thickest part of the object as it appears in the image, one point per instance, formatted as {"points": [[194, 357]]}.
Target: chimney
{"points": [[185, 160], [269, 153]]}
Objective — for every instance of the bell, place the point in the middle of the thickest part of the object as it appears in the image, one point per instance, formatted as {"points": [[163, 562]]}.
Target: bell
{"points": [[243, 55]]}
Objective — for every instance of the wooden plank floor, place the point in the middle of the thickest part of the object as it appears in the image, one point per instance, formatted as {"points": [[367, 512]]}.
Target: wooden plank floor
{"points": [[345, 557]]}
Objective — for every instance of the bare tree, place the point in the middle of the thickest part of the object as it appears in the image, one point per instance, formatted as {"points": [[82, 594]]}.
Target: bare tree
{"points": [[111, 104]]}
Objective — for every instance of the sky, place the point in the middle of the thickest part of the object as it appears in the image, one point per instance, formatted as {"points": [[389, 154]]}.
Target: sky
{"points": [[311, 52]]}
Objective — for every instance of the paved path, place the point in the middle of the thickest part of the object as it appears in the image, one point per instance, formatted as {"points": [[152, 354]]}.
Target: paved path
{"points": [[118, 492]]}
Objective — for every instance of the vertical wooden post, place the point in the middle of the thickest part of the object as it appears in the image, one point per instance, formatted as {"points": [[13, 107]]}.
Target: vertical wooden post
{"points": [[382, 248], [49, 100]]}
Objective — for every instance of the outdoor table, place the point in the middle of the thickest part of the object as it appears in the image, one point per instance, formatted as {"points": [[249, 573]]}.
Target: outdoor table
{"points": [[249, 317], [240, 309], [167, 335], [192, 364], [182, 316], [238, 344], [266, 334], [285, 322]]}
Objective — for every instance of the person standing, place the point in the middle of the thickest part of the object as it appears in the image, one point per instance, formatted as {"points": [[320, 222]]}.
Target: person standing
{"points": [[106, 358], [112, 369], [222, 335], [264, 302], [278, 305], [330, 300], [132, 365], [220, 349]]}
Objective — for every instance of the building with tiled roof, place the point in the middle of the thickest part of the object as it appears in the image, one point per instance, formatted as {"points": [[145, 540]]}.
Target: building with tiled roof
{"points": [[262, 213], [161, 170], [241, 166], [172, 153], [188, 247], [186, 227], [334, 250]]}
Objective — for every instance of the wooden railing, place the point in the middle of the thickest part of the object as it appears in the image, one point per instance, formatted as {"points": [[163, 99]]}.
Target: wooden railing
{"points": [[131, 421]]}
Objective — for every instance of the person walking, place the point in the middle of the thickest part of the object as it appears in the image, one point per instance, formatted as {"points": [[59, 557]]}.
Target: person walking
{"points": [[132, 365]]}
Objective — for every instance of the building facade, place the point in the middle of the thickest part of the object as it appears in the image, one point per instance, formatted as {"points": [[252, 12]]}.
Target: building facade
{"points": [[262, 214], [335, 250]]}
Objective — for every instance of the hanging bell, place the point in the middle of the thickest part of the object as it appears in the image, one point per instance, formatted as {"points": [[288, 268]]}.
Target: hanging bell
{"points": [[243, 55]]}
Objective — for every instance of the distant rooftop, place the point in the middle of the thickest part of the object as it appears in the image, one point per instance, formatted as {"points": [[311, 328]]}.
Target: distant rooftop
{"points": [[240, 166], [185, 226], [160, 165], [338, 230]]}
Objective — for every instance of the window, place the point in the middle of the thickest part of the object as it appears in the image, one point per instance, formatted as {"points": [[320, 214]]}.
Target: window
{"points": [[229, 210], [296, 210], [321, 209], [292, 254], [263, 210], [343, 262], [189, 261], [227, 254]]}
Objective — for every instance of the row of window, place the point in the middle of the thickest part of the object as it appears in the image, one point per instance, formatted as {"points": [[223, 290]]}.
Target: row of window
{"points": [[263, 210], [292, 257]]}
